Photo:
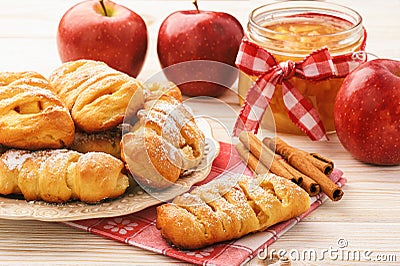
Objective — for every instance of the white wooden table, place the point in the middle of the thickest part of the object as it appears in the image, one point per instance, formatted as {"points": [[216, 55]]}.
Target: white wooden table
{"points": [[368, 217]]}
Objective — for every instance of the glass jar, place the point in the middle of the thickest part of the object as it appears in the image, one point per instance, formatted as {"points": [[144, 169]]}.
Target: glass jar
{"points": [[291, 30]]}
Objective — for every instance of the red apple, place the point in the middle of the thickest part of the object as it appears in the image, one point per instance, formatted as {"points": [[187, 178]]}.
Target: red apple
{"points": [[200, 35], [367, 112], [103, 31]]}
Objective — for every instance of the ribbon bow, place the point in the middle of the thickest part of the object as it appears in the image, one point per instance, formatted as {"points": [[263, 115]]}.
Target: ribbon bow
{"points": [[256, 61]]}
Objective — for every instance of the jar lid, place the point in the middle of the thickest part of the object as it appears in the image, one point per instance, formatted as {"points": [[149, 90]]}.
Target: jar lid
{"points": [[300, 27]]}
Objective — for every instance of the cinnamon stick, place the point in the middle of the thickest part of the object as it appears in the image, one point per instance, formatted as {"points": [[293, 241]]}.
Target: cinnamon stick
{"points": [[324, 164], [250, 160], [267, 156], [304, 165], [308, 184], [259, 151]]}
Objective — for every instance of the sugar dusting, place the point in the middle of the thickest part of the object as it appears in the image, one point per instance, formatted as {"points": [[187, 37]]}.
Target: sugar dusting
{"points": [[174, 123], [14, 159]]}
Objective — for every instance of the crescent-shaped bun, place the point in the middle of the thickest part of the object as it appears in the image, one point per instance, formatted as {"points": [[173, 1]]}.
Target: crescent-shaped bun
{"points": [[165, 142]]}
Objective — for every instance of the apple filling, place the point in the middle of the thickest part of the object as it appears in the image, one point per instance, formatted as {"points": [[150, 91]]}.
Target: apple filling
{"points": [[29, 108]]}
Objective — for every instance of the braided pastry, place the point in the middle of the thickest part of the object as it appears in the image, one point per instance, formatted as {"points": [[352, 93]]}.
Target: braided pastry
{"points": [[31, 115], [165, 142], [61, 175], [96, 95], [229, 208]]}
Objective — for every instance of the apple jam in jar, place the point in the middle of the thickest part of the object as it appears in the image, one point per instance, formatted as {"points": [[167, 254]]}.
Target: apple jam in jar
{"points": [[291, 30]]}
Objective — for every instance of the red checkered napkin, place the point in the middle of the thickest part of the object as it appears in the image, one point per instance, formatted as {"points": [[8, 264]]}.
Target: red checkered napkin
{"points": [[256, 61], [139, 230]]}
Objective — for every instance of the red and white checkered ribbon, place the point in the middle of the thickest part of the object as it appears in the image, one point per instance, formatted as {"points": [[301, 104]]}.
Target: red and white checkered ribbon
{"points": [[319, 65]]}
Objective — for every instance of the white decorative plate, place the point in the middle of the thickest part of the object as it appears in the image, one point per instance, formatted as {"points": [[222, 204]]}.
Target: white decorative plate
{"points": [[134, 199]]}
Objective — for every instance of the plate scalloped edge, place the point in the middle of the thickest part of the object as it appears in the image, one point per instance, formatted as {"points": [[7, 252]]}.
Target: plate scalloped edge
{"points": [[133, 200]]}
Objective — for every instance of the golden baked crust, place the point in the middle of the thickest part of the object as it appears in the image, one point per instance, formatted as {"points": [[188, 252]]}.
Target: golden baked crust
{"points": [[165, 142], [229, 208], [33, 77], [96, 95], [31, 115], [61, 175], [106, 141], [147, 158]]}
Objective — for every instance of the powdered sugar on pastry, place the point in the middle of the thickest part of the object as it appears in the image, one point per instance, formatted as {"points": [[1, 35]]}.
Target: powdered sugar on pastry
{"points": [[96, 95], [172, 142], [229, 208], [61, 175], [31, 115]]}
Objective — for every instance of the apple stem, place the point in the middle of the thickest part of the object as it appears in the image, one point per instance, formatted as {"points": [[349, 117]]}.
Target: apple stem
{"points": [[197, 7], [104, 7]]}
